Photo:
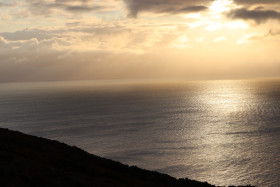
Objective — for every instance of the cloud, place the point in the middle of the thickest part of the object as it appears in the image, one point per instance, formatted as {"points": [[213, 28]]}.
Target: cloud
{"points": [[55, 59], [37, 7], [30, 60], [253, 2], [220, 39], [273, 32], [259, 16], [6, 4], [165, 6], [85, 36], [72, 1], [3, 41], [258, 36], [83, 8], [3, 4], [27, 34]]}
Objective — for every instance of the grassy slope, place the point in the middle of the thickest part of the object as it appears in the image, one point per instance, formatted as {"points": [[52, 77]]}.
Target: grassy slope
{"points": [[31, 161]]}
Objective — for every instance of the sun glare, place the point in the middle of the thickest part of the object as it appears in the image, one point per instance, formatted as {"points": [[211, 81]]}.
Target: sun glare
{"points": [[220, 6]]}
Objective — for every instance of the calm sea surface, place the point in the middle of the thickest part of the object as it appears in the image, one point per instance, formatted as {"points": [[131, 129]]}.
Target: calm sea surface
{"points": [[223, 132]]}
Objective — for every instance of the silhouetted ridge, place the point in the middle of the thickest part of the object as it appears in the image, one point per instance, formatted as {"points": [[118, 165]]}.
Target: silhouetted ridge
{"points": [[31, 161]]}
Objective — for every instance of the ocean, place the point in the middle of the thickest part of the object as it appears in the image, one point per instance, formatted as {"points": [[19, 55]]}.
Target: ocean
{"points": [[225, 132]]}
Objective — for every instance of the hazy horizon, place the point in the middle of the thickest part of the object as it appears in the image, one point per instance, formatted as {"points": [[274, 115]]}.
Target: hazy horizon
{"points": [[135, 81]]}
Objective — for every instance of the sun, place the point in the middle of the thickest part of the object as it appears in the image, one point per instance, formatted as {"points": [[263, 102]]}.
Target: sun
{"points": [[220, 6]]}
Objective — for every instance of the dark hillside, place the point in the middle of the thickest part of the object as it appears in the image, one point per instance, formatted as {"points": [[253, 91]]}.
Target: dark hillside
{"points": [[31, 161]]}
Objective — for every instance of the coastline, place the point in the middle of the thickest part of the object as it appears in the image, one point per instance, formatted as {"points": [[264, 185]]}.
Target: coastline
{"points": [[33, 161]]}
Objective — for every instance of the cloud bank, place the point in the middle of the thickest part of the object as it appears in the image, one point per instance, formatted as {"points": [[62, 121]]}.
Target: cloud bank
{"points": [[165, 6], [254, 2], [39, 7], [93, 39], [259, 16]]}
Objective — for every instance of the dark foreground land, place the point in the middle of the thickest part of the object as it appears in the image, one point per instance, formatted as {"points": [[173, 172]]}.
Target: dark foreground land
{"points": [[31, 161]]}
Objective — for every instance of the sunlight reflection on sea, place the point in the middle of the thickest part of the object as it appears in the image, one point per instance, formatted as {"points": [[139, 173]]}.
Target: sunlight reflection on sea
{"points": [[223, 132]]}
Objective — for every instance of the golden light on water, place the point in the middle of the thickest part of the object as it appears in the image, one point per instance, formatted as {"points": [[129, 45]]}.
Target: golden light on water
{"points": [[223, 101], [227, 96], [222, 132]]}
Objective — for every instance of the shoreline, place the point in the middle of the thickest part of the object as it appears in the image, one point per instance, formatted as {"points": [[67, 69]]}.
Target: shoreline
{"points": [[28, 160]]}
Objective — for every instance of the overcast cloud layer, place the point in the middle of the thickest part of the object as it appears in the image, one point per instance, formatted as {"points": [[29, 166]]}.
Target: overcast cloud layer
{"points": [[113, 39]]}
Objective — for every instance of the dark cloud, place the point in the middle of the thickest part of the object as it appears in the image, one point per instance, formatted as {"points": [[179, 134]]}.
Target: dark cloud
{"points": [[165, 6], [28, 34], [71, 8], [72, 1], [273, 32], [83, 8], [6, 4], [41, 34], [2, 4], [43, 8], [188, 9], [259, 16], [253, 2]]}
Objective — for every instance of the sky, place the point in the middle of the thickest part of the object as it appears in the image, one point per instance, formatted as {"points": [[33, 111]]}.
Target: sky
{"points": [[46, 40]]}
